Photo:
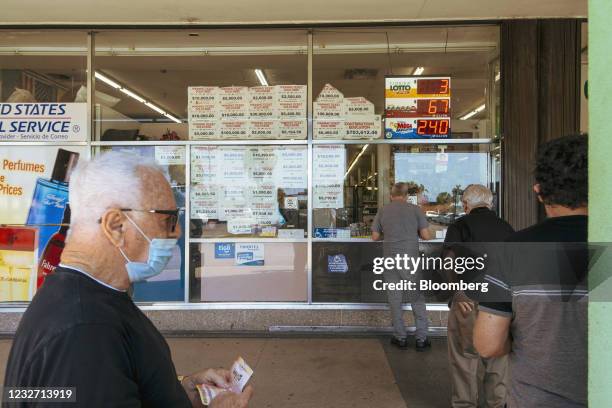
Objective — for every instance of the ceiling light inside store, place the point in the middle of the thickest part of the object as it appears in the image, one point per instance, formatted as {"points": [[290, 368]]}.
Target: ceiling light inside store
{"points": [[356, 160], [497, 76], [172, 118], [474, 112], [262, 78], [418, 71], [135, 96], [132, 95], [107, 80]]}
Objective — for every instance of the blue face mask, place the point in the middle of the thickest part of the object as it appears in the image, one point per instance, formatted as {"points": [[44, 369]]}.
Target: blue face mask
{"points": [[160, 252]]}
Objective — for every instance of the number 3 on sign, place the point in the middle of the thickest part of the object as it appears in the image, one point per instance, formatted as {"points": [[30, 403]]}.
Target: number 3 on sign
{"points": [[444, 86]]}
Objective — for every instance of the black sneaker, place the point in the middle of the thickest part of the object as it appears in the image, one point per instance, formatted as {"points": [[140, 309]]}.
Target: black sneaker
{"points": [[423, 345], [400, 343]]}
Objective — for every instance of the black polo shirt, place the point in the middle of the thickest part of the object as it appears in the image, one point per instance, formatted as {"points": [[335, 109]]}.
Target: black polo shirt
{"points": [[79, 333], [474, 235]]}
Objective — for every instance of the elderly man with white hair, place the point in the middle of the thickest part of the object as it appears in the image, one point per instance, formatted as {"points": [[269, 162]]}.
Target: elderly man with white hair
{"points": [[82, 329], [475, 381]]}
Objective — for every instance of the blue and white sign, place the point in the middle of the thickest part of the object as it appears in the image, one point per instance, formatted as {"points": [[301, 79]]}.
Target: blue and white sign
{"points": [[43, 122], [323, 232], [249, 254], [337, 264], [224, 250]]}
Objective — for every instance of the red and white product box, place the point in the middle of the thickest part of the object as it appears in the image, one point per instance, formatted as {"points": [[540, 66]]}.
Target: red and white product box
{"points": [[263, 129], [292, 129], [234, 94], [328, 129], [234, 129], [202, 95], [363, 127], [262, 110], [328, 110], [204, 130], [295, 93], [234, 110], [203, 113], [358, 106], [330, 94], [291, 109]]}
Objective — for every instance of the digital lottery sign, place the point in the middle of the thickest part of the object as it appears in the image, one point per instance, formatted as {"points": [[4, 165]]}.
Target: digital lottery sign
{"points": [[417, 107]]}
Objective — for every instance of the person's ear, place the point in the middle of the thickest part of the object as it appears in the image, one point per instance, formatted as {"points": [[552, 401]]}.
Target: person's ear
{"points": [[112, 224], [537, 189]]}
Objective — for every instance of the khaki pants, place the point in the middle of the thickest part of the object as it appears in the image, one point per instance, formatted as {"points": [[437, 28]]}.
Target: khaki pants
{"points": [[476, 381], [416, 300]]}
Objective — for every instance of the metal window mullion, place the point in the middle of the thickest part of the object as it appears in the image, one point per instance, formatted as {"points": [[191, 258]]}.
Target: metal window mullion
{"points": [[91, 84], [186, 229], [309, 166]]}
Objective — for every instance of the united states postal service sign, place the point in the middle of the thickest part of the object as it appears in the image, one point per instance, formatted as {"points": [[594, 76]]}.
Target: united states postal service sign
{"points": [[43, 122]]}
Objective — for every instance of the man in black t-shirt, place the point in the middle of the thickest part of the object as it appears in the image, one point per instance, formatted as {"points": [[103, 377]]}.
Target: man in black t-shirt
{"points": [[82, 329], [473, 378], [536, 308]]}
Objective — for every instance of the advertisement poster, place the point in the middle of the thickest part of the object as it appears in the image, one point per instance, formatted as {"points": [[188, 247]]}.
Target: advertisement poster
{"points": [[43, 122], [34, 192], [328, 176], [249, 254]]}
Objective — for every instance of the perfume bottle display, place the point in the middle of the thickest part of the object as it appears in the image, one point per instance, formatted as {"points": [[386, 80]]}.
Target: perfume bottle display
{"points": [[50, 258], [51, 196], [17, 263]]}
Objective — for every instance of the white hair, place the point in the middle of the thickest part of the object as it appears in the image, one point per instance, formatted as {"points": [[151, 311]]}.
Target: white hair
{"points": [[109, 180], [477, 195]]}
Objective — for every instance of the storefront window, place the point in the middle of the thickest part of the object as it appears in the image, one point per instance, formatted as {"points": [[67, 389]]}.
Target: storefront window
{"points": [[264, 166], [425, 102]]}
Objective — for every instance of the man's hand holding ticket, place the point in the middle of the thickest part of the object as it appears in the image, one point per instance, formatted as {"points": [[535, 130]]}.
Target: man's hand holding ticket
{"points": [[218, 397]]}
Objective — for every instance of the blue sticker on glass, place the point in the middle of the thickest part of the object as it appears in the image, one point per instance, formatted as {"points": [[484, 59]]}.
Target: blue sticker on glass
{"points": [[224, 250]]}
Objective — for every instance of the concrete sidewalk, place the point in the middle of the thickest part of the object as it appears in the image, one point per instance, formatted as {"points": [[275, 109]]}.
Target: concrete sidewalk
{"points": [[318, 372]]}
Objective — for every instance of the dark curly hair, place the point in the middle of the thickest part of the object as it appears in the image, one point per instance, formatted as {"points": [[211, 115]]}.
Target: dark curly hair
{"points": [[562, 171]]}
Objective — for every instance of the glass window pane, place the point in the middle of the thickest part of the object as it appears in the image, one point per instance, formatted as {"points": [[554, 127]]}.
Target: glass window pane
{"points": [[43, 86], [249, 272], [350, 66], [201, 84], [437, 174], [249, 191]]}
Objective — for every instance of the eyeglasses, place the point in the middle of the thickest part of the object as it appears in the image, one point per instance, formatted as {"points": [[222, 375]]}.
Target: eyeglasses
{"points": [[171, 221]]}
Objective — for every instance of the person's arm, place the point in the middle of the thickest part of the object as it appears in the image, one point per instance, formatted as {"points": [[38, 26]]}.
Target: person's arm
{"points": [[492, 334], [425, 233], [377, 227], [423, 225]]}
